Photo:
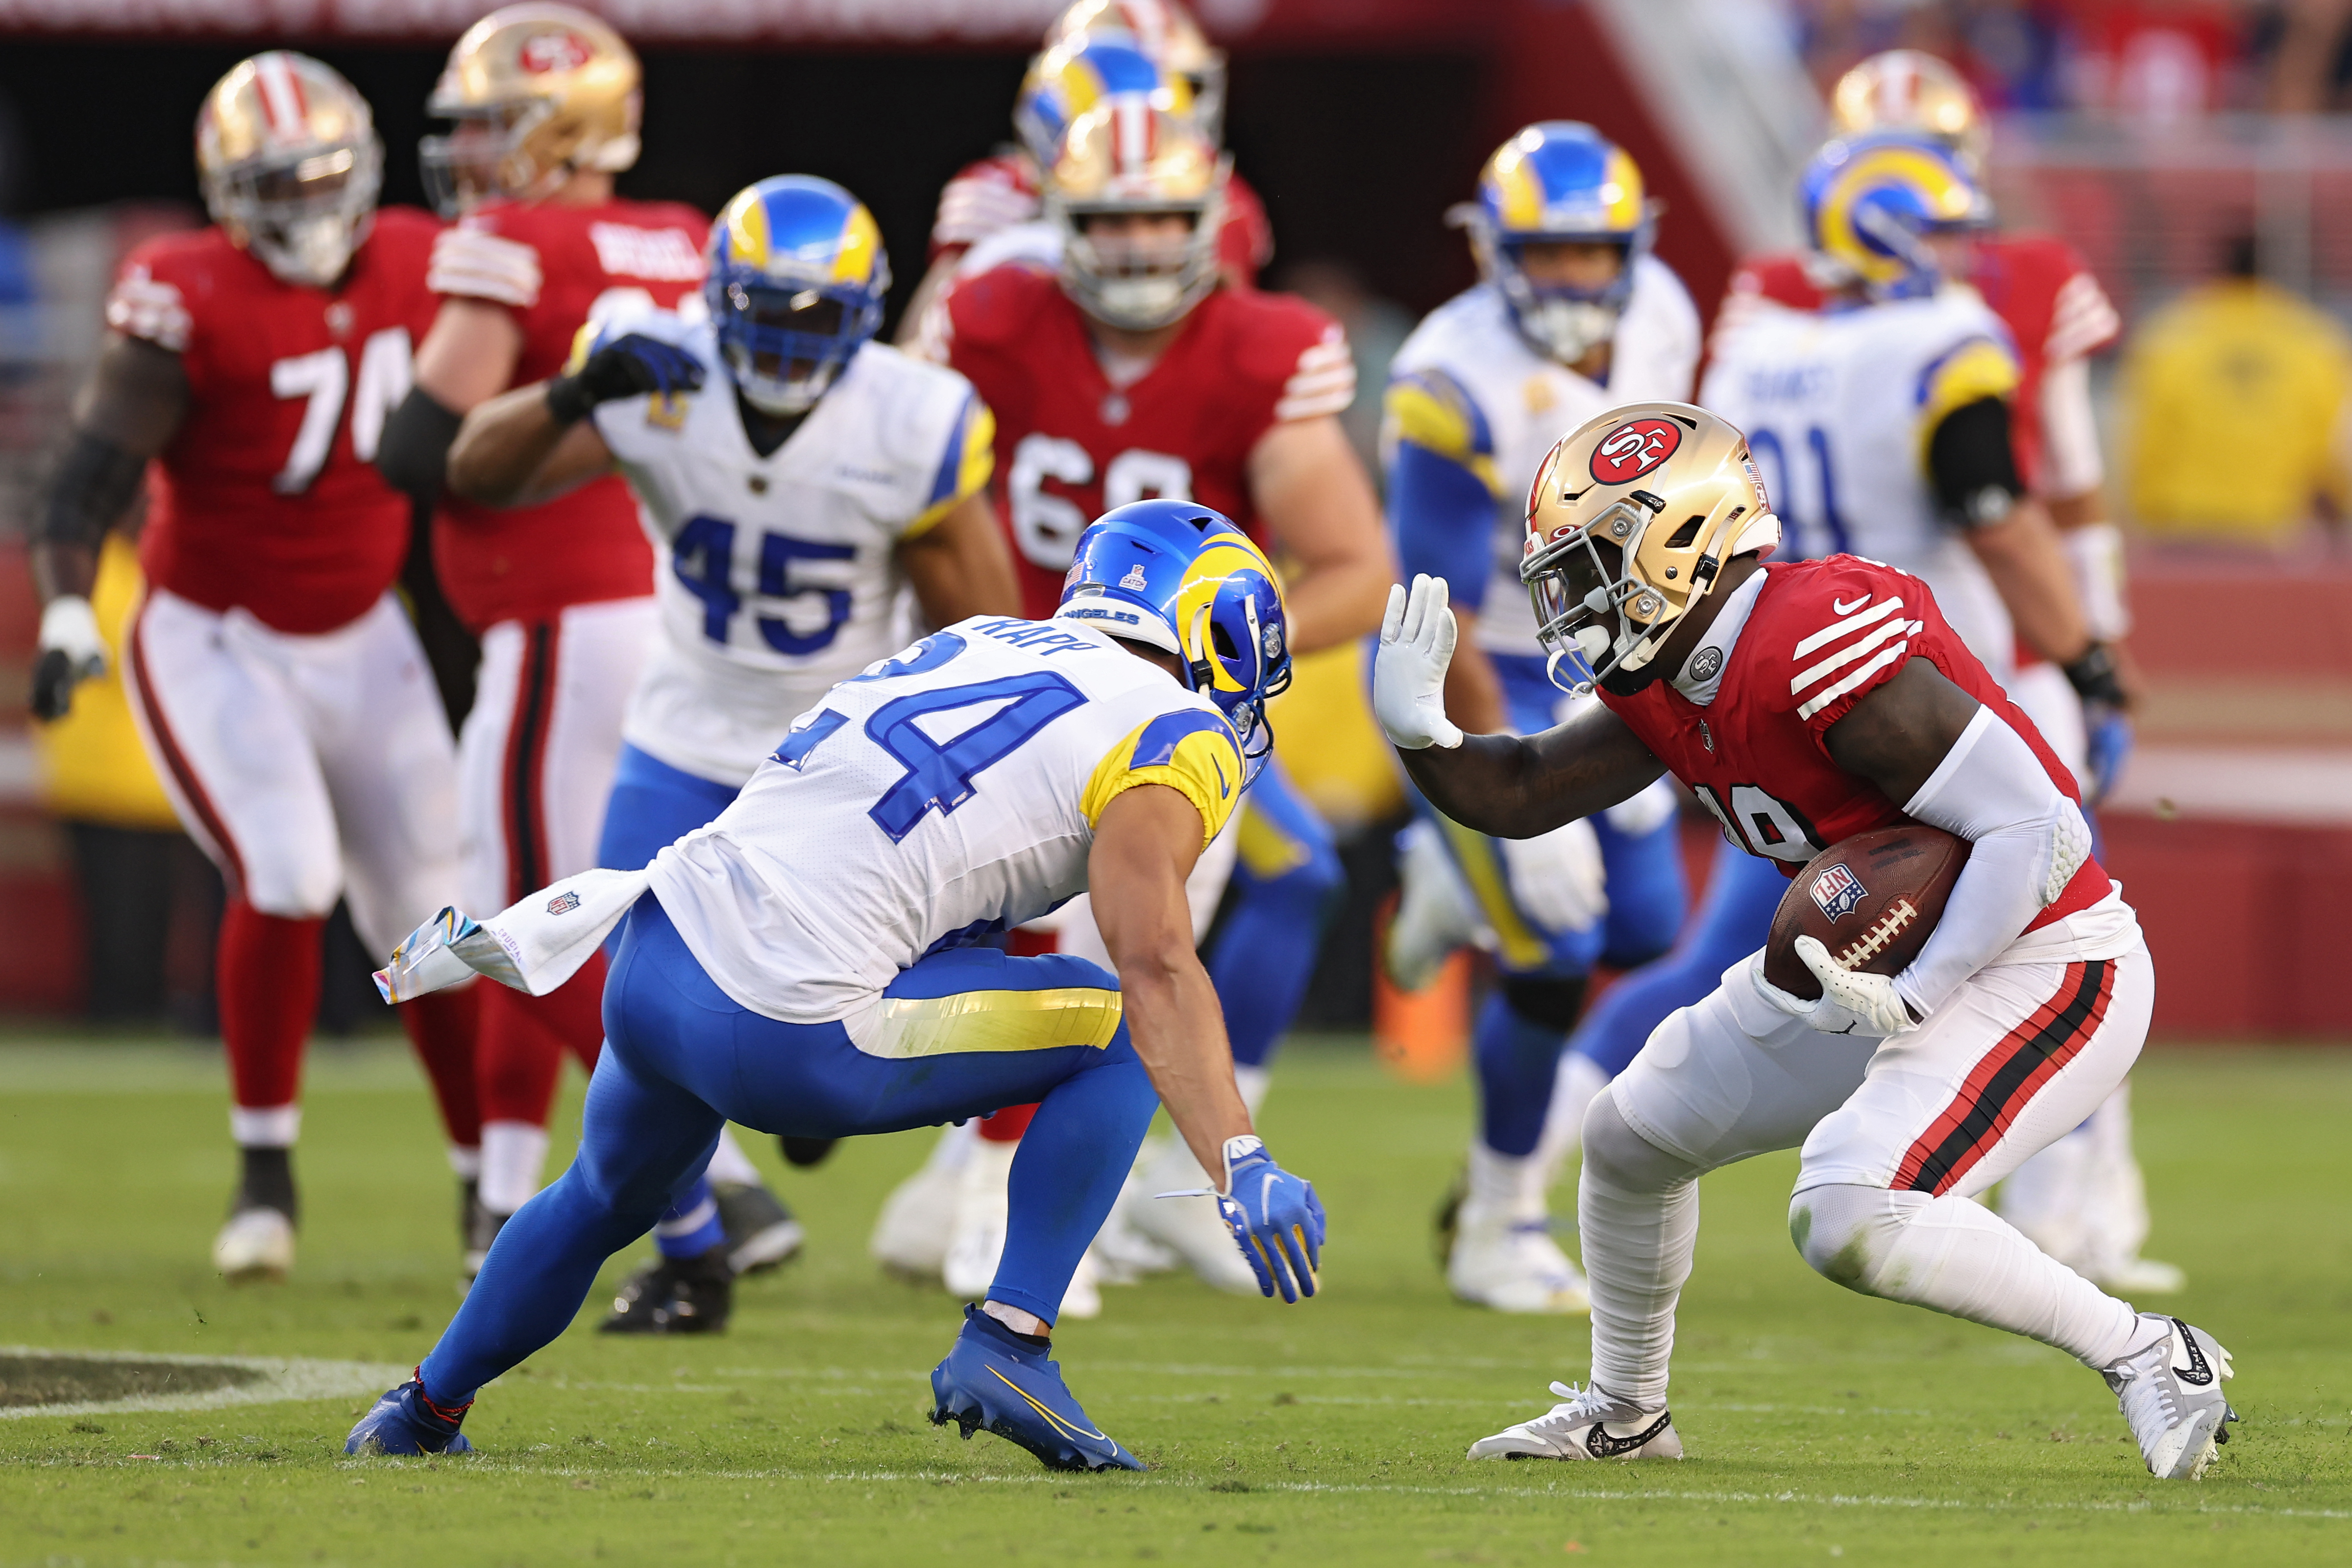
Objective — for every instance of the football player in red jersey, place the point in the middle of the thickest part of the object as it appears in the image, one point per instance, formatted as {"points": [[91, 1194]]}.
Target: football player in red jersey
{"points": [[1136, 370], [1801, 703], [991, 213], [545, 102], [278, 688], [2086, 1197]]}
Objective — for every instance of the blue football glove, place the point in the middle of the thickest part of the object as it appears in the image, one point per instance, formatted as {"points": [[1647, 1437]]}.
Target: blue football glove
{"points": [[628, 366], [1275, 1219], [2110, 748]]}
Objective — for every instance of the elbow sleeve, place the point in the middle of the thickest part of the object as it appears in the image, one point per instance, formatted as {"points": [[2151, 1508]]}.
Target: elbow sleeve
{"points": [[95, 483], [1973, 465], [413, 452], [2027, 839]]}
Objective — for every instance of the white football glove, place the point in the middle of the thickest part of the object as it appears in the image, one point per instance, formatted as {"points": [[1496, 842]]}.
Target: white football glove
{"points": [[72, 651], [1408, 668], [1850, 1003]]}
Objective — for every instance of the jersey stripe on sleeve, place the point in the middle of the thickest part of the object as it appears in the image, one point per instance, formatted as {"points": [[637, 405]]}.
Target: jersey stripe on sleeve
{"points": [[964, 468], [1859, 647], [1324, 382], [474, 264], [2082, 320], [1192, 751], [142, 306]]}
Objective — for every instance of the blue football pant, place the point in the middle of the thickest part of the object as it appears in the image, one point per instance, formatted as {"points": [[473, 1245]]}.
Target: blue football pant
{"points": [[1285, 882], [653, 806], [1733, 921], [681, 1059]]}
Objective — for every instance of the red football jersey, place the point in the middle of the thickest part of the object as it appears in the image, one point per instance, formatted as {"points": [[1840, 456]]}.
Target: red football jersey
{"points": [[267, 498], [2039, 286], [1070, 446], [1821, 635], [1001, 190], [552, 267]]}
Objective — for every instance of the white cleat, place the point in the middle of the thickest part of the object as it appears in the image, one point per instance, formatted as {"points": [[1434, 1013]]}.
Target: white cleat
{"points": [[2136, 1276], [1580, 1429], [2172, 1396], [1434, 915], [1083, 1298], [911, 1235], [976, 1231], [256, 1244], [1512, 1266], [1190, 1227], [1122, 1254]]}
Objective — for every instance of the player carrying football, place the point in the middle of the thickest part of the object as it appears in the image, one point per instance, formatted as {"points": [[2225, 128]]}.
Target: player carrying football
{"points": [[1802, 703], [800, 476], [809, 963], [278, 688], [1134, 370], [545, 102]]}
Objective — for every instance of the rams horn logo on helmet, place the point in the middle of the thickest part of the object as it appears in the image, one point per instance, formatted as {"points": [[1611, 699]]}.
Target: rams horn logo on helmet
{"points": [[1634, 448]]}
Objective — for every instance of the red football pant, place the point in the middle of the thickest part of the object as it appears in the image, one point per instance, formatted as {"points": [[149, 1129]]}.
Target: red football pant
{"points": [[523, 1039], [441, 1027]]}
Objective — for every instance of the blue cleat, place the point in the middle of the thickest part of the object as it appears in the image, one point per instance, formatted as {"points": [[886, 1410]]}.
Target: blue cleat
{"points": [[405, 1422], [995, 1378]]}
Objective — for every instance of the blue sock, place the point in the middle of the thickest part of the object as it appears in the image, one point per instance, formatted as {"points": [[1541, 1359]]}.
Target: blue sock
{"points": [[1732, 923], [1071, 1162], [1515, 1060], [1265, 954], [641, 1140], [690, 1228]]}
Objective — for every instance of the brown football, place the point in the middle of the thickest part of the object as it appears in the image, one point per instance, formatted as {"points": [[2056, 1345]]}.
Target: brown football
{"points": [[1872, 899]]}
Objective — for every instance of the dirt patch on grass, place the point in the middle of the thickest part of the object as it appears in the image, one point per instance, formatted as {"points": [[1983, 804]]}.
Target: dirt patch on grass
{"points": [[26, 1380]]}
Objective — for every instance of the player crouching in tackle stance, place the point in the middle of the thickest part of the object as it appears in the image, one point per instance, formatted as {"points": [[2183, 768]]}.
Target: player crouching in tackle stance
{"points": [[805, 964], [1809, 699]]}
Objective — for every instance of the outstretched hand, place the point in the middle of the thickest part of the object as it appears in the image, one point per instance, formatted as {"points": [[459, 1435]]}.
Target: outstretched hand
{"points": [[1409, 668], [629, 367]]}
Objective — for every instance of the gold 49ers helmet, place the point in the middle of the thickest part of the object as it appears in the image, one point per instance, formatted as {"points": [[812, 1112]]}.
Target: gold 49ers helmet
{"points": [[1127, 158], [290, 164], [1630, 520], [536, 91], [1910, 89], [1165, 33]]}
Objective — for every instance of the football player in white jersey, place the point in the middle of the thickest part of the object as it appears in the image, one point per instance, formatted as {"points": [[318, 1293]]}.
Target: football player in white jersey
{"points": [[806, 963], [794, 512], [1573, 316]]}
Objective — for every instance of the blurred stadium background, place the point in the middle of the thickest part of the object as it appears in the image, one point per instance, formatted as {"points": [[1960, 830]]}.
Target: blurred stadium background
{"points": [[2193, 149]]}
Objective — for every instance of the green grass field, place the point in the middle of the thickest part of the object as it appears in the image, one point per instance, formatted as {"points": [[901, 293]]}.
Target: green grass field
{"points": [[1819, 1425]]}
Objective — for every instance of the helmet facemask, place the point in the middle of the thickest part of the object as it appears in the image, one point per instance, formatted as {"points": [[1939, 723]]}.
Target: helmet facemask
{"points": [[485, 154], [1561, 321], [1140, 281], [786, 344], [303, 215]]}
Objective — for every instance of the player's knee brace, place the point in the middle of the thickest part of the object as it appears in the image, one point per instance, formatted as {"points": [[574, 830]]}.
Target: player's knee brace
{"points": [[1543, 1000], [1848, 1232]]}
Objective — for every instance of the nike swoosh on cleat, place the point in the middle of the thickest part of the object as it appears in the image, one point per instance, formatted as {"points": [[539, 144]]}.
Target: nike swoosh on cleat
{"points": [[1843, 608], [2197, 1371], [1601, 1445], [1060, 1425]]}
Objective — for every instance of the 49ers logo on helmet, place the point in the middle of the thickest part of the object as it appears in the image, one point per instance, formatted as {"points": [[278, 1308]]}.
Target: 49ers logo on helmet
{"points": [[560, 51], [1634, 448]]}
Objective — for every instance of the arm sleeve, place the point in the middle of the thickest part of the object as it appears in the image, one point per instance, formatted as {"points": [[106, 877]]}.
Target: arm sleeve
{"points": [[1322, 383], [1443, 485], [2027, 839], [412, 453], [95, 483], [2070, 431], [1190, 750], [1972, 464], [149, 308], [965, 465]]}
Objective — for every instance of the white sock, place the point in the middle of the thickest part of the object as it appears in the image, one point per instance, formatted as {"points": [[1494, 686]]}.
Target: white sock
{"points": [[1637, 1224], [1252, 1083], [1578, 1080], [730, 1166], [1961, 1258], [513, 1155], [467, 1160], [1511, 1185], [265, 1126]]}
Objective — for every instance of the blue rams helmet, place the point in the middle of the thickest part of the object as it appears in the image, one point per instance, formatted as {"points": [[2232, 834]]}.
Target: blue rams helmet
{"points": [[1558, 182], [1870, 203], [1179, 577], [1073, 77], [797, 280]]}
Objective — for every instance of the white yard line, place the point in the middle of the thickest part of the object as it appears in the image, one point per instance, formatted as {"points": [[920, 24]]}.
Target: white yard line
{"points": [[282, 1380]]}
